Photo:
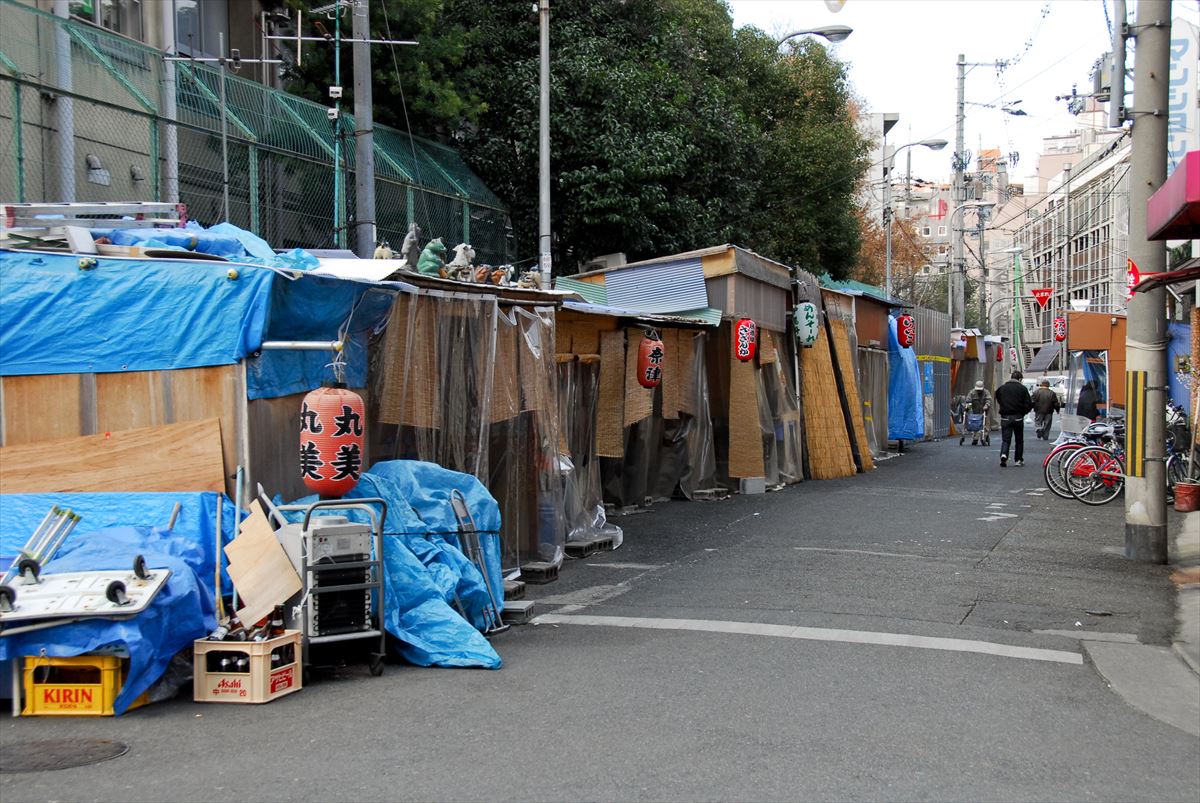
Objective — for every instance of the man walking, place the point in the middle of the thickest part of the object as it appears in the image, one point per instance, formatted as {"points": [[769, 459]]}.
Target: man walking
{"points": [[1013, 403], [1045, 405]]}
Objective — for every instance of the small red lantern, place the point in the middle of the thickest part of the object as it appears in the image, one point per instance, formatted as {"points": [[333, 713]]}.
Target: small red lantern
{"points": [[999, 353], [745, 339], [650, 361], [332, 428], [906, 330], [1060, 329]]}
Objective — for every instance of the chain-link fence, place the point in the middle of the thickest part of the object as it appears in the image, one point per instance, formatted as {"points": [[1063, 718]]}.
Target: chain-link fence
{"points": [[91, 116]]}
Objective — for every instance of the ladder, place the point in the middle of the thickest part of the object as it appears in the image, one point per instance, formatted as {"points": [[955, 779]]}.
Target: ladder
{"points": [[31, 220]]}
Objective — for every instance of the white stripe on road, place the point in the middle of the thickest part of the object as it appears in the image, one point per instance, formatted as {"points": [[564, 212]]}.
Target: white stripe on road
{"points": [[649, 567], [997, 517], [817, 634], [860, 552]]}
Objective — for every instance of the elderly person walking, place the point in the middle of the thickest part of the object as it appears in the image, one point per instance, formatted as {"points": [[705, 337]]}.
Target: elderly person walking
{"points": [[1045, 405]]}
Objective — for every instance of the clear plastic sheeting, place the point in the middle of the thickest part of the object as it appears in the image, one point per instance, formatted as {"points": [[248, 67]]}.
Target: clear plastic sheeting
{"points": [[472, 387], [778, 413], [873, 387], [578, 396]]}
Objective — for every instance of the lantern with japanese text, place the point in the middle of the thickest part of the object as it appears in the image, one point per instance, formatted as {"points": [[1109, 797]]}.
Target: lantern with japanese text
{"points": [[1012, 355], [805, 318], [650, 361], [1060, 329], [332, 426], [906, 330], [745, 339]]}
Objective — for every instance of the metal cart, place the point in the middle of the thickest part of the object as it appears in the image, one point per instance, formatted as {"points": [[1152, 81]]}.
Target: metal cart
{"points": [[340, 564]]}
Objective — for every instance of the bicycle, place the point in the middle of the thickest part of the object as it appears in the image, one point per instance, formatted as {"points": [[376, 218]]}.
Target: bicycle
{"points": [[1053, 467], [1095, 475]]}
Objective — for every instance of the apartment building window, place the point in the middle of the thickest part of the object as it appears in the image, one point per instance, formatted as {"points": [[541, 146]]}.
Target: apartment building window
{"points": [[924, 231], [941, 231], [942, 249], [121, 16], [199, 24]]}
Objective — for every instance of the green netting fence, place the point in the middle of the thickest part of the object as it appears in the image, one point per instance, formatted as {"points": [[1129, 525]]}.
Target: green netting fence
{"points": [[131, 143]]}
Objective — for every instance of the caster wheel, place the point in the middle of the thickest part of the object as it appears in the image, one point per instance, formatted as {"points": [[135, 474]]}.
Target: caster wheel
{"points": [[960, 441], [8, 598], [29, 569], [139, 567], [376, 665], [115, 593]]}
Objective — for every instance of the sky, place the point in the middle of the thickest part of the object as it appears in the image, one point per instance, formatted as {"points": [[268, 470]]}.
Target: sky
{"points": [[902, 58]]}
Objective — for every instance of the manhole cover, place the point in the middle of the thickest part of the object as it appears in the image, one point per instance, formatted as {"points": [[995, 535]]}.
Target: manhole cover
{"points": [[58, 754]]}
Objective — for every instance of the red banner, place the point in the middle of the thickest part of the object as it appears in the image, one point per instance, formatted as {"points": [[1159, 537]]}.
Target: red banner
{"points": [[1042, 295]]}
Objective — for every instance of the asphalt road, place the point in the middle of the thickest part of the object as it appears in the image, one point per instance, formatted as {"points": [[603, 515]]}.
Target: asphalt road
{"points": [[747, 665]]}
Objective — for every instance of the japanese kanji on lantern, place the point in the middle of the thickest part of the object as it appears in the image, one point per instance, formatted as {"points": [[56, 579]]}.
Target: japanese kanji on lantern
{"points": [[332, 427], [805, 318], [1012, 355], [650, 360], [1060, 329], [906, 330], [745, 339]]}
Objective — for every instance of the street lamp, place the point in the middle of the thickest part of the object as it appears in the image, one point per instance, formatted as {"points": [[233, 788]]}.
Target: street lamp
{"points": [[834, 33], [933, 145]]}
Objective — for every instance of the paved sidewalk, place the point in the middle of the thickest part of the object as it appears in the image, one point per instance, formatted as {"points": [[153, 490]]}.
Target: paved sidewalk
{"points": [[1185, 557]]}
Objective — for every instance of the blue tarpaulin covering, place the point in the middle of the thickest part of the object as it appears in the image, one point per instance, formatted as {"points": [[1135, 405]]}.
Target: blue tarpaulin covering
{"points": [[424, 569], [906, 408], [104, 540], [1179, 346], [125, 314]]}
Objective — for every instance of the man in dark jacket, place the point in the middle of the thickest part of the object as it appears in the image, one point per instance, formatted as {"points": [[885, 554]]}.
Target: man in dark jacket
{"points": [[1045, 405], [1088, 405], [1013, 404]]}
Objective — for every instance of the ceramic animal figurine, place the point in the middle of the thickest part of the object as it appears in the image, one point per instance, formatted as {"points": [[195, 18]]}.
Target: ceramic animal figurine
{"points": [[433, 259], [410, 252], [460, 267], [383, 251]]}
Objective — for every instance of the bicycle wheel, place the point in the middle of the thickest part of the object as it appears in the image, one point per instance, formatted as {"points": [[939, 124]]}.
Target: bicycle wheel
{"points": [[1177, 468], [1094, 475], [1052, 469]]}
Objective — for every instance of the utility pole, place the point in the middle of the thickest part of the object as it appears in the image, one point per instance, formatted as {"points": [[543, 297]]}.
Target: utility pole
{"points": [[1065, 307], [984, 321], [64, 105], [1145, 345], [364, 138], [957, 289], [544, 260], [1116, 90]]}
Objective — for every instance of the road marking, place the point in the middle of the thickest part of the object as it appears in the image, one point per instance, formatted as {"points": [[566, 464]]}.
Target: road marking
{"points": [[817, 634], [649, 567], [997, 517], [591, 595], [1092, 635], [859, 552], [998, 504]]}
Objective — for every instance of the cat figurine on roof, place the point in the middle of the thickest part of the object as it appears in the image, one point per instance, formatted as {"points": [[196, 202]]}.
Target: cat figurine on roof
{"points": [[460, 267], [433, 259]]}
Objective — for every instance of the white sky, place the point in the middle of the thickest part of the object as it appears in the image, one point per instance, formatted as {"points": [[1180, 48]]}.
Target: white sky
{"points": [[902, 58]]}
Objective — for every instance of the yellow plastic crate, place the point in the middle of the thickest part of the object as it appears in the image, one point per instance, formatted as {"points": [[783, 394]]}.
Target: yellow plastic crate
{"points": [[82, 685]]}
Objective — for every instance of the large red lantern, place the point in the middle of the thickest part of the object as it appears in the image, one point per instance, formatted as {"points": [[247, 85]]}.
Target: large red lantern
{"points": [[650, 361], [745, 339], [332, 426], [1060, 329], [906, 330]]}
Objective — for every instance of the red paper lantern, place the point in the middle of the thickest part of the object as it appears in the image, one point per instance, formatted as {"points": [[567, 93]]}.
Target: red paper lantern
{"points": [[332, 428], [650, 361], [745, 339], [1060, 329], [999, 353], [906, 330]]}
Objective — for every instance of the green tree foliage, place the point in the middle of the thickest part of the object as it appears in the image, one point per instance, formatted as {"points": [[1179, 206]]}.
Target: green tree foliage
{"points": [[670, 129]]}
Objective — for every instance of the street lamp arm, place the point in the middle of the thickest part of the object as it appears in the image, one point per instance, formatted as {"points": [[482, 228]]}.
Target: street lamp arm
{"points": [[834, 33]]}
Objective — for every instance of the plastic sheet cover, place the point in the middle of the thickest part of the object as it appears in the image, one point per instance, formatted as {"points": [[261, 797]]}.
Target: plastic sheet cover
{"points": [[873, 385], [578, 394], [316, 308], [183, 611], [425, 571], [468, 386], [138, 315], [906, 407], [779, 413]]}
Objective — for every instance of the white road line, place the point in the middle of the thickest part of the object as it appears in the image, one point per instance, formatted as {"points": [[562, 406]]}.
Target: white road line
{"points": [[649, 567], [1093, 635], [997, 517], [859, 552], [817, 634]]}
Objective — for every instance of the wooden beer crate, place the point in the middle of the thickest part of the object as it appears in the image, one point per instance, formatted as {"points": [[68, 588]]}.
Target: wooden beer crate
{"points": [[81, 685], [260, 684]]}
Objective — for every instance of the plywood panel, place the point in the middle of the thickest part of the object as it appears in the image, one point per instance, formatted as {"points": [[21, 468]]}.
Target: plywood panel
{"points": [[175, 457], [275, 445], [200, 393], [129, 400], [40, 408], [841, 343]]}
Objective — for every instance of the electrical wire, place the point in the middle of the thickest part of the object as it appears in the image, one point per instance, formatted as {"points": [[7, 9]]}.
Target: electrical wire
{"points": [[412, 144]]}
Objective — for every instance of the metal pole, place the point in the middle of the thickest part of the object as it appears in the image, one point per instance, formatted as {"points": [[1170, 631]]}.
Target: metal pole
{"points": [[64, 105], [224, 134], [544, 260], [170, 167], [985, 318], [887, 225], [1116, 101], [957, 289], [1145, 488], [339, 228], [1065, 306], [364, 138]]}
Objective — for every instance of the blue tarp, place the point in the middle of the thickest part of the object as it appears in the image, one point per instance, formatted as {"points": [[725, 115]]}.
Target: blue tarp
{"points": [[424, 570], [316, 308], [906, 408], [184, 610], [125, 314], [1179, 345]]}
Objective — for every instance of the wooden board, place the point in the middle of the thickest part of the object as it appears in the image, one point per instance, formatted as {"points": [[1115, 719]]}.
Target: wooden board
{"points": [[841, 344], [174, 457], [260, 570], [131, 400], [201, 393], [40, 408]]}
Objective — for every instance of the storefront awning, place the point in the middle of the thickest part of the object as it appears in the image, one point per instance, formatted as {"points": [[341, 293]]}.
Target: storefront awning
{"points": [[1044, 358], [1173, 211]]}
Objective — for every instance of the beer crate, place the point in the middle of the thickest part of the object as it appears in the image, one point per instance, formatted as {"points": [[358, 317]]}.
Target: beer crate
{"points": [[244, 672], [81, 685]]}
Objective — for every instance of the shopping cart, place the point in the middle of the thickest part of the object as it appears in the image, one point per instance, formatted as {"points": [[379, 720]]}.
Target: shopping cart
{"points": [[974, 424]]}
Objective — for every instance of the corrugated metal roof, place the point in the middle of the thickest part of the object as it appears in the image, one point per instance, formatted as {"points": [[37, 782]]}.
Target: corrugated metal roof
{"points": [[663, 287], [706, 316], [591, 292], [1044, 358]]}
